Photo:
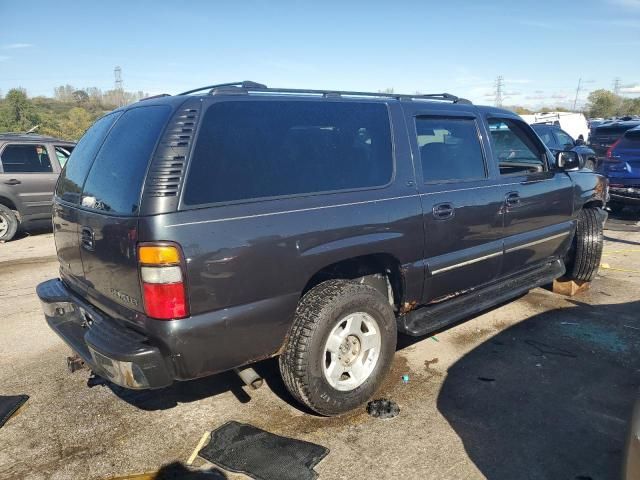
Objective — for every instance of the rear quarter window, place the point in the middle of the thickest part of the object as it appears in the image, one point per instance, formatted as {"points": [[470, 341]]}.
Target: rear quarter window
{"points": [[255, 149], [114, 183], [69, 187]]}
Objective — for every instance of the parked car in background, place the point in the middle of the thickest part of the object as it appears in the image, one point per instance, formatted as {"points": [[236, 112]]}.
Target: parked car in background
{"points": [[606, 134], [574, 123], [622, 166], [558, 140], [29, 168]]}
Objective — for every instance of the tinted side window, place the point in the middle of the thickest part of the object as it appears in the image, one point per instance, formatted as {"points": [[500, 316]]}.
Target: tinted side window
{"points": [[255, 149], [546, 136], [26, 159], [449, 149], [75, 172], [514, 148], [564, 140], [63, 153], [114, 183]]}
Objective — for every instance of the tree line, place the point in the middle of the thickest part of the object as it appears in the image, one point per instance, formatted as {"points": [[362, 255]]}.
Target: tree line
{"points": [[67, 115], [71, 111]]}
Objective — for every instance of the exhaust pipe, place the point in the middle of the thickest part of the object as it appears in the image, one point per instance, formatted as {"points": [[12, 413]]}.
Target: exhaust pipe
{"points": [[249, 376]]}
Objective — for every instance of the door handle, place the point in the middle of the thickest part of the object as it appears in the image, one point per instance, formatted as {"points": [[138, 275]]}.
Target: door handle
{"points": [[512, 199], [443, 211], [13, 181]]}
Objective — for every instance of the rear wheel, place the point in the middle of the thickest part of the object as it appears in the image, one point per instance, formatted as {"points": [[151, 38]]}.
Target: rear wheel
{"points": [[585, 254], [8, 224], [340, 346]]}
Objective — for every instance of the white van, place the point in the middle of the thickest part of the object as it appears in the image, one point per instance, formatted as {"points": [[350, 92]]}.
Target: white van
{"points": [[575, 124]]}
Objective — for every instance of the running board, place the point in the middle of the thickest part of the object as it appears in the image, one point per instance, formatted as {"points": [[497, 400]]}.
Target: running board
{"points": [[430, 318]]}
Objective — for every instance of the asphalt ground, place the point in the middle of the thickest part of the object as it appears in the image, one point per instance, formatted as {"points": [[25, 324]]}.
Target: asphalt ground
{"points": [[538, 388]]}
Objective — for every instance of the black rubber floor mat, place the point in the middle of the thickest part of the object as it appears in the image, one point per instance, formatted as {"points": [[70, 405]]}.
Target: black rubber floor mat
{"points": [[243, 448], [9, 404]]}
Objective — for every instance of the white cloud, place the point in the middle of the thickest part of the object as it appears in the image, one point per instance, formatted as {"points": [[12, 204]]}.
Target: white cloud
{"points": [[631, 89], [12, 46], [626, 3]]}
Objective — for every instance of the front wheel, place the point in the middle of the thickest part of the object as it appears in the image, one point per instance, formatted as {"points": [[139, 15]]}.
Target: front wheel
{"points": [[584, 257], [340, 346]]}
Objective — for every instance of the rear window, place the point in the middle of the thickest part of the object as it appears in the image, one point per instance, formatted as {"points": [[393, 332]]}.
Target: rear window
{"points": [[26, 159], [114, 183], [609, 131], [255, 149], [76, 168]]}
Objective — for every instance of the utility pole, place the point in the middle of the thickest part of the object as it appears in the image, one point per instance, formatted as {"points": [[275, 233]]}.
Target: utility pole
{"points": [[575, 100], [617, 85], [499, 92], [117, 73]]}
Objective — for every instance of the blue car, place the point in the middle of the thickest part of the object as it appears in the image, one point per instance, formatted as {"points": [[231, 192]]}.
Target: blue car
{"points": [[622, 166]]}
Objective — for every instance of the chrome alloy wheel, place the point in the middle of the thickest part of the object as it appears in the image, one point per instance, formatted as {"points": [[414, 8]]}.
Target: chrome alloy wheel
{"points": [[351, 352], [4, 226]]}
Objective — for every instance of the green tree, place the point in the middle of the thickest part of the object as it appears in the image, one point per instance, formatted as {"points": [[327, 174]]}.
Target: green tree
{"points": [[603, 103], [17, 113], [76, 122]]}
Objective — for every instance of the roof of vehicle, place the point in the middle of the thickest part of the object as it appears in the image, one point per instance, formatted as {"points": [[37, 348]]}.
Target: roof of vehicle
{"points": [[633, 130], [30, 137], [619, 123], [257, 90], [546, 125]]}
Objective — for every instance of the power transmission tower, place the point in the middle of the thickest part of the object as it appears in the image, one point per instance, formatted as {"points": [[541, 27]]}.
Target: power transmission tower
{"points": [[617, 85], [575, 100], [499, 92], [117, 73]]}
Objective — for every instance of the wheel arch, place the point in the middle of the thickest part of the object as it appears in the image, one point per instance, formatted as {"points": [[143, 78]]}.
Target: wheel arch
{"points": [[361, 267]]}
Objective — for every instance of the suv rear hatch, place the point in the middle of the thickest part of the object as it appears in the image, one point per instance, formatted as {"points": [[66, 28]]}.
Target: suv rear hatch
{"points": [[606, 135], [97, 204], [628, 150]]}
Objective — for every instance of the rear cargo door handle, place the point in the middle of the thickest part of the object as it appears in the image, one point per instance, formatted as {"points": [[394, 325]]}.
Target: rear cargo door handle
{"points": [[87, 239], [13, 181], [512, 199], [443, 211]]}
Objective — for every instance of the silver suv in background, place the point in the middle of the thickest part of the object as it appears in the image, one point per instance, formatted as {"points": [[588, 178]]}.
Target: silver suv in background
{"points": [[29, 168]]}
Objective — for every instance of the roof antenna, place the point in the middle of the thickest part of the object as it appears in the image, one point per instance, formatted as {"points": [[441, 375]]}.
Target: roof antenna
{"points": [[33, 129]]}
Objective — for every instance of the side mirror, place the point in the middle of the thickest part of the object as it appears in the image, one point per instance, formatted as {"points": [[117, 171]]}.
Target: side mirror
{"points": [[568, 160], [579, 142]]}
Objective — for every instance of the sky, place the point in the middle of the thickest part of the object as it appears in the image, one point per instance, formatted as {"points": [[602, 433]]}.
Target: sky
{"points": [[540, 48]]}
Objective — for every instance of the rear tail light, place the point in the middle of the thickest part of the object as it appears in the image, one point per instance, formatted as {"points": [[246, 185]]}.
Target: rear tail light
{"points": [[162, 282], [609, 155]]}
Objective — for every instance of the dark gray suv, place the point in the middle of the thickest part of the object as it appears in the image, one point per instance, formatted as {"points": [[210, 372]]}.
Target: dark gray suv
{"points": [[29, 168], [201, 232]]}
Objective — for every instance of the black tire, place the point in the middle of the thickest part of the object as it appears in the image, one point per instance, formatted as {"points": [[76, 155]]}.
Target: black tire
{"points": [[321, 310], [8, 224], [586, 252]]}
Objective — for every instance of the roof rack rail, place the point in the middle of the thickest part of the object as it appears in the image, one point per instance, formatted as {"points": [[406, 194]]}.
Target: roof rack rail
{"points": [[248, 86]]}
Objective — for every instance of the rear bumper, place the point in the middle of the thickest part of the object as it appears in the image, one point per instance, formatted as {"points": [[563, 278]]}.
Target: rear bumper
{"points": [[184, 349], [113, 351]]}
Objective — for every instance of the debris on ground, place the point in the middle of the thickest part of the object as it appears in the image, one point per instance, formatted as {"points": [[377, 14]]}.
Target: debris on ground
{"points": [[262, 455], [203, 439], [405, 379], [383, 408], [9, 405], [175, 471]]}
